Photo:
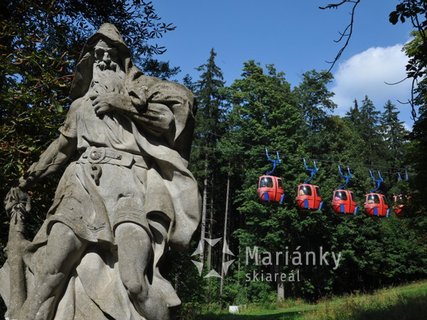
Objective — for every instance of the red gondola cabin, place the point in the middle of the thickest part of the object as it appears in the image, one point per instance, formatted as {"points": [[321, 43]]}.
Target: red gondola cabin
{"points": [[308, 197], [270, 189], [376, 205], [398, 204], [343, 202]]}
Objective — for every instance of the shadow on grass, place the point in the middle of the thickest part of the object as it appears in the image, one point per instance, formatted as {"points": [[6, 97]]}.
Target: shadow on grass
{"points": [[277, 316], [409, 308]]}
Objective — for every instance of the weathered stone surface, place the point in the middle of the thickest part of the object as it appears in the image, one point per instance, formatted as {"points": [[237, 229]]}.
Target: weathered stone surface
{"points": [[118, 208]]}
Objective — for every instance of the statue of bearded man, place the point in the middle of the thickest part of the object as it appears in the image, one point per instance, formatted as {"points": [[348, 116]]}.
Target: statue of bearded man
{"points": [[125, 198]]}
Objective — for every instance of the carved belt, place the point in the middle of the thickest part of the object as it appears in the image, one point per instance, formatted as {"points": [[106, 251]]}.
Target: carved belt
{"points": [[101, 155]]}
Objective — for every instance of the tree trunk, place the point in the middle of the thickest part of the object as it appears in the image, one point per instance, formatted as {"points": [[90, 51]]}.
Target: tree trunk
{"points": [[204, 200], [280, 286], [210, 232], [225, 234]]}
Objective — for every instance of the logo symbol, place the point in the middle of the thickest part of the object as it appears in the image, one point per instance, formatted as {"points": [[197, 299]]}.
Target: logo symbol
{"points": [[200, 264]]}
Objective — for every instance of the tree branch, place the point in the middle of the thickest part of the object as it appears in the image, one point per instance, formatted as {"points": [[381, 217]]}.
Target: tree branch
{"points": [[348, 31], [334, 5]]}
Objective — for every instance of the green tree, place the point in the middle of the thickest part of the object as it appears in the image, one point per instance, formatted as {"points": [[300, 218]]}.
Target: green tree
{"points": [[205, 157], [416, 69], [265, 113], [353, 115], [394, 133], [209, 96], [395, 138], [366, 121], [415, 13], [314, 98]]}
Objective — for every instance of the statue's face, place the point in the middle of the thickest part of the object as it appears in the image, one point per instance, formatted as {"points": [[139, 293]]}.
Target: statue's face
{"points": [[106, 57]]}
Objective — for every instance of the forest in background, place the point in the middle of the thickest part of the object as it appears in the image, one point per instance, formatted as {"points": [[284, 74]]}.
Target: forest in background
{"points": [[260, 110], [38, 50]]}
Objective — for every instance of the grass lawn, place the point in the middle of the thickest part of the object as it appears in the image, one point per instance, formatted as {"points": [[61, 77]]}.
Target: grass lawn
{"points": [[408, 302]]}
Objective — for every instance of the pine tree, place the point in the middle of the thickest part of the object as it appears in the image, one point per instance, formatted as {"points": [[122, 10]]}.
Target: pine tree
{"points": [[366, 122], [210, 127], [314, 98], [394, 133], [395, 138], [353, 115]]}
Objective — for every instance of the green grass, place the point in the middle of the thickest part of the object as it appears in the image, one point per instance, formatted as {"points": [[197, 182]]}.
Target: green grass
{"points": [[399, 303], [407, 302]]}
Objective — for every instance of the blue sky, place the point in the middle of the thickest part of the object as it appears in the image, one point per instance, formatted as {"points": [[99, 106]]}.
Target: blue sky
{"points": [[295, 36]]}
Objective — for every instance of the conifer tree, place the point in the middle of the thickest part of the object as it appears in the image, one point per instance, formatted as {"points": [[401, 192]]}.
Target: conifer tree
{"points": [[210, 127], [314, 98], [395, 138], [366, 121]]}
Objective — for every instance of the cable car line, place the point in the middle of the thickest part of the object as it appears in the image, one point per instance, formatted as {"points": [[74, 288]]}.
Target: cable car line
{"points": [[320, 161], [270, 188]]}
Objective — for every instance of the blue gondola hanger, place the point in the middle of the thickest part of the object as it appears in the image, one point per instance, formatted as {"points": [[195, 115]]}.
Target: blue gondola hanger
{"points": [[343, 200], [270, 188], [308, 195], [274, 161], [401, 199], [346, 177], [376, 204], [399, 176], [377, 181], [312, 170]]}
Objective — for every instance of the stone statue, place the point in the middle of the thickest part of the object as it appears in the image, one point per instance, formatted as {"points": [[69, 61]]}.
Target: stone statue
{"points": [[125, 197]]}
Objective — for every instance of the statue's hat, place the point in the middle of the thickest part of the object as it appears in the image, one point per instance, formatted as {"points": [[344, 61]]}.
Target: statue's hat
{"points": [[111, 35], [83, 74]]}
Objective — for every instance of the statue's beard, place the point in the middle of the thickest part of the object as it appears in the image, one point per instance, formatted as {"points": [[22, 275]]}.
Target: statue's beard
{"points": [[107, 78]]}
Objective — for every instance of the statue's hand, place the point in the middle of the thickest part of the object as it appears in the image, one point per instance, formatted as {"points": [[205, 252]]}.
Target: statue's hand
{"points": [[16, 199], [107, 102]]}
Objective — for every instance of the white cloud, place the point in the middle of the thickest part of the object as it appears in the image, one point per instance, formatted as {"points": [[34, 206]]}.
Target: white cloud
{"points": [[367, 73]]}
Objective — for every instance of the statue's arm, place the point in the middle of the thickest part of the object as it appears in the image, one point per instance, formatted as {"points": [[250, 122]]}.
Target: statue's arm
{"points": [[154, 117], [55, 156], [110, 102], [157, 119]]}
